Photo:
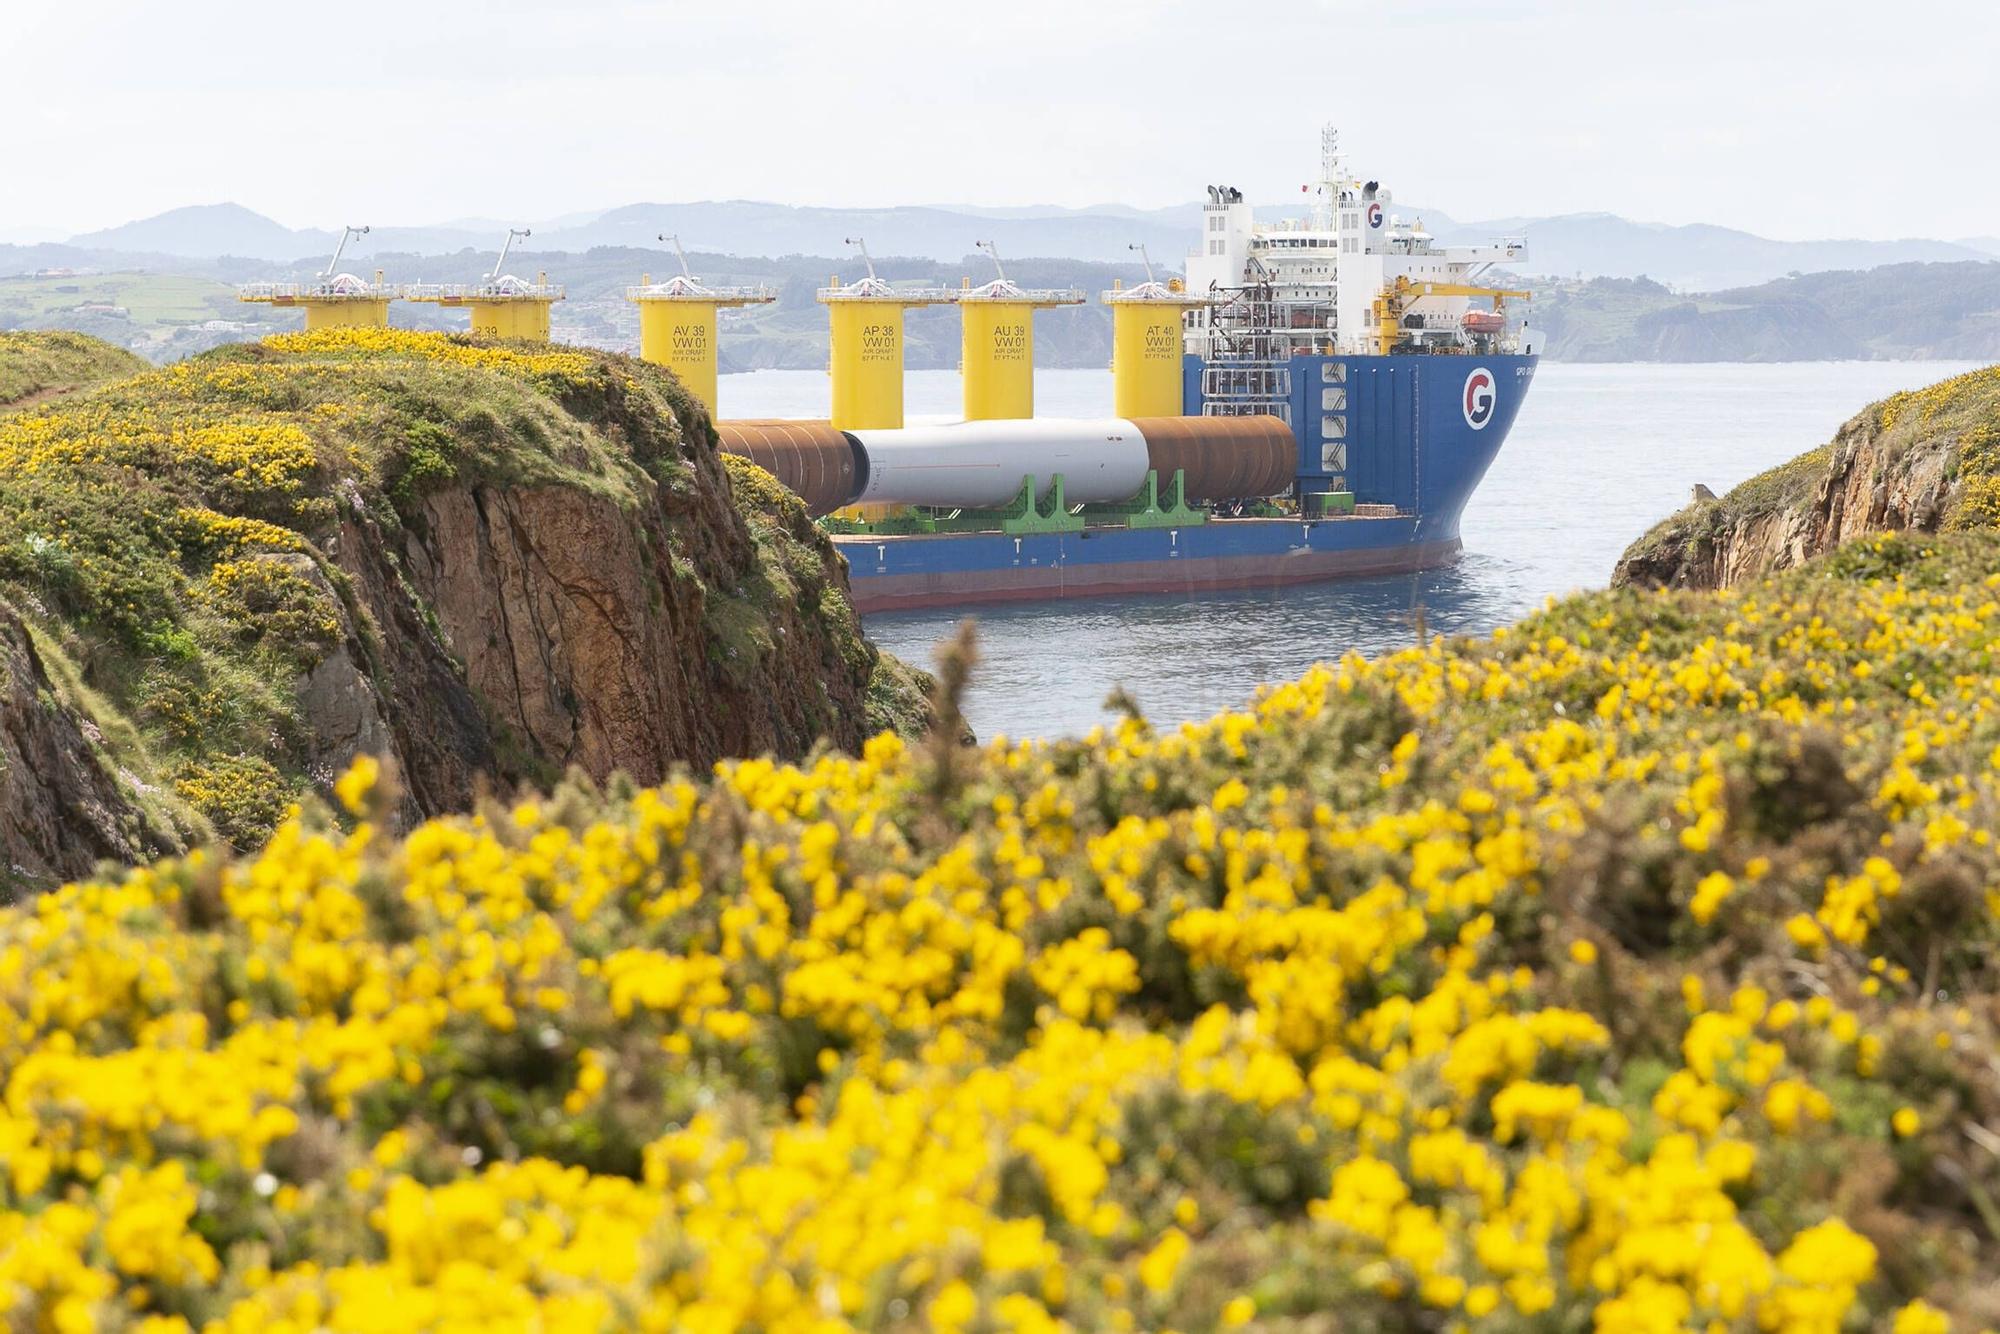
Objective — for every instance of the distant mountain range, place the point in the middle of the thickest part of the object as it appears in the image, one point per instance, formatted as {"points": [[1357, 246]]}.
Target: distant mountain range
{"points": [[1695, 257]]}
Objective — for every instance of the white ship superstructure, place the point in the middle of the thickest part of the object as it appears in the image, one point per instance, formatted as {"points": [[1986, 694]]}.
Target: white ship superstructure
{"points": [[1352, 278]]}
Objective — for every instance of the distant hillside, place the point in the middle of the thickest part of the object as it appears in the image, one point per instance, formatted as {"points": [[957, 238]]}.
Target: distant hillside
{"points": [[1699, 256], [165, 316], [161, 316], [1944, 311], [207, 231], [203, 230]]}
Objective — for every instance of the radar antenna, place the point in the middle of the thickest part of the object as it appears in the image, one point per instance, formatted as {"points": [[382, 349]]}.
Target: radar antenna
{"points": [[346, 234]]}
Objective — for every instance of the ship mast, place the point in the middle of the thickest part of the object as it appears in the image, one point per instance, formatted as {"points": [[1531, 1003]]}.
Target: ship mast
{"points": [[1329, 179]]}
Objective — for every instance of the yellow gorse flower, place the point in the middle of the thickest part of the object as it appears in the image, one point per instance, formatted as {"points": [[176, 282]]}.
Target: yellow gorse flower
{"points": [[1554, 1022]]}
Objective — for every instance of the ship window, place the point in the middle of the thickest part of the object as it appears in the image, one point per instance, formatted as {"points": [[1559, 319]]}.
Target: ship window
{"points": [[1333, 457], [1333, 427], [1333, 372], [1333, 400]]}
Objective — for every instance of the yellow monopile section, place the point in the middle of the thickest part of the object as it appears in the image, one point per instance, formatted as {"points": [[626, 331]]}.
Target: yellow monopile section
{"points": [[867, 364], [999, 353], [344, 314], [866, 320], [340, 301], [677, 327], [1146, 349], [680, 335], [501, 307], [511, 319], [999, 360]]}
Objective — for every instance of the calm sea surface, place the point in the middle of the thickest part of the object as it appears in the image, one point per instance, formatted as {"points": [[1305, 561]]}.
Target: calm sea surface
{"points": [[1598, 454]]}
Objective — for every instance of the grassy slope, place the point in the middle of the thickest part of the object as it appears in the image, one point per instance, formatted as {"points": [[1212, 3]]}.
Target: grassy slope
{"points": [[1641, 962], [165, 532], [35, 367], [1960, 415]]}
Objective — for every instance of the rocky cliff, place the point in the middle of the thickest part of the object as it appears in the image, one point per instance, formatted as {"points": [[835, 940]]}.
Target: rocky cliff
{"points": [[489, 564], [1923, 460]]}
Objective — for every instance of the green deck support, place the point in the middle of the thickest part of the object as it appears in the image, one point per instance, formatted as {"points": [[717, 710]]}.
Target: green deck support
{"points": [[1149, 509], [1048, 516], [1022, 514]]}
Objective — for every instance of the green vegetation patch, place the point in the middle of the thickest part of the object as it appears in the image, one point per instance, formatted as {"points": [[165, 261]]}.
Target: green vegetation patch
{"points": [[1636, 967], [166, 531], [38, 366]]}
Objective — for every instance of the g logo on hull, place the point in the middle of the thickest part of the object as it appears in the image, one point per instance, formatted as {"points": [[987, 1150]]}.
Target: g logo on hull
{"points": [[1481, 396], [1374, 214]]}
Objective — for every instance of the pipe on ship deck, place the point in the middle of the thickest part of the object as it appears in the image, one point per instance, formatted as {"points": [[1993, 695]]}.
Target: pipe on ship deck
{"points": [[817, 462], [1223, 458], [981, 464]]}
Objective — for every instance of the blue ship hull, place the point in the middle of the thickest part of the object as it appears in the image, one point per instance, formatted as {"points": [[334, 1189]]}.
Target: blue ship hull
{"points": [[1410, 431]]}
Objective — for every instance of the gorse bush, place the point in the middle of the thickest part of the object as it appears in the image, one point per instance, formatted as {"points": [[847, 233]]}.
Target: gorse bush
{"points": [[197, 541], [166, 530], [1633, 969], [38, 365]]}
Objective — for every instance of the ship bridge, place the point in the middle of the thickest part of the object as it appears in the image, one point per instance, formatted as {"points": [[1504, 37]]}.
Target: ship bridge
{"points": [[1352, 278]]}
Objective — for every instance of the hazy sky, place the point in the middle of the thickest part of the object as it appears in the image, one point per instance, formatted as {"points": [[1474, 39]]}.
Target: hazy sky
{"points": [[1796, 120]]}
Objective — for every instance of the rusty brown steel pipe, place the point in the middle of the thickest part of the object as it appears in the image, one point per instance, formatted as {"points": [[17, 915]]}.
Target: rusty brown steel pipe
{"points": [[819, 464], [1223, 458], [1220, 458]]}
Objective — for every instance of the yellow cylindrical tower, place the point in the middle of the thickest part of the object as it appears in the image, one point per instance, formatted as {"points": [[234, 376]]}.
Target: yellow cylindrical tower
{"points": [[998, 361], [347, 314], [1146, 349], [342, 301], [331, 300], [866, 322], [502, 307], [866, 364], [681, 336], [677, 327]]}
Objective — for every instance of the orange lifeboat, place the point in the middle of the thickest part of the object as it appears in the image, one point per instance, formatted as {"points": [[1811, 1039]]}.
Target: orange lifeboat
{"points": [[1483, 322]]}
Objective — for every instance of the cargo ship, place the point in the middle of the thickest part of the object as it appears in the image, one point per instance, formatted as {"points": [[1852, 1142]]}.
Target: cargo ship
{"points": [[1318, 399]]}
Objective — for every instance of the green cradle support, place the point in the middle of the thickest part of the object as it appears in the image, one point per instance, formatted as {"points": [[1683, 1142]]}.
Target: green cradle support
{"points": [[1153, 507], [1023, 514], [1027, 515], [1149, 509]]}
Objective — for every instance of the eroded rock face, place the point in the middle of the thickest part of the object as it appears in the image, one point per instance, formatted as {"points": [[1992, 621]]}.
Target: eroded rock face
{"points": [[1867, 486], [488, 576], [520, 631], [62, 808]]}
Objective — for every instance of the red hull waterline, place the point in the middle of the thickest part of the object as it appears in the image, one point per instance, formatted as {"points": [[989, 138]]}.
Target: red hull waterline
{"points": [[916, 592]]}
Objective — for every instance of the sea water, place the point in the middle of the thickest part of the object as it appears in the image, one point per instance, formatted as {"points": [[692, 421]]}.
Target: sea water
{"points": [[1598, 454]]}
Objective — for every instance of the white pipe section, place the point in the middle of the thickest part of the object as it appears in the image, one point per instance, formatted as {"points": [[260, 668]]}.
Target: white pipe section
{"points": [[979, 465]]}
